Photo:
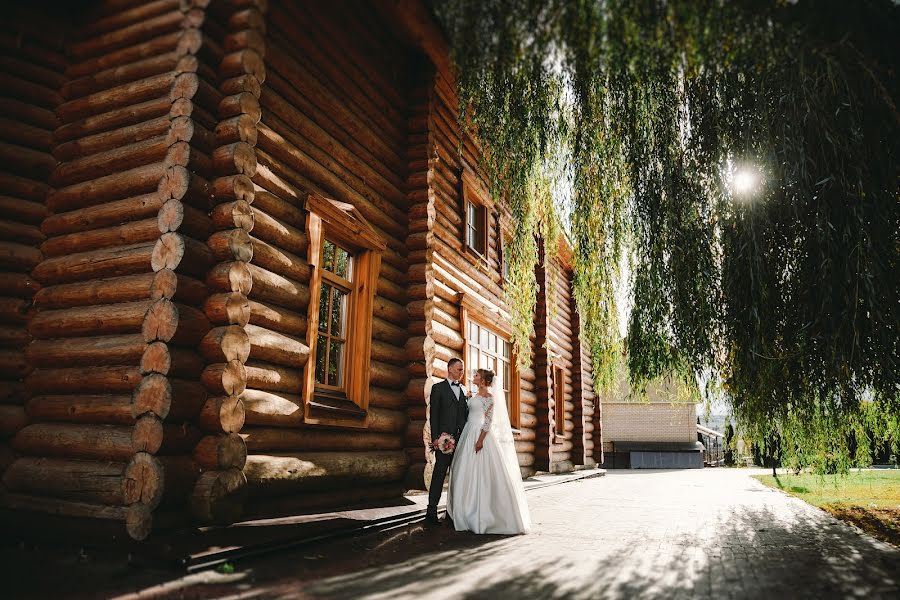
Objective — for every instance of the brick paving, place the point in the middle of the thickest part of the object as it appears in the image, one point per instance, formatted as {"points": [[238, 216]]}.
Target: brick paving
{"points": [[713, 533]]}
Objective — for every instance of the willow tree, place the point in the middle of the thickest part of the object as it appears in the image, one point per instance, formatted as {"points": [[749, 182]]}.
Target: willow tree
{"points": [[783, 289]]}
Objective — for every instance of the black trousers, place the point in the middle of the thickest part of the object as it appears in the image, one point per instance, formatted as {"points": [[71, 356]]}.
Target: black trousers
{"points": [[441, 466]]}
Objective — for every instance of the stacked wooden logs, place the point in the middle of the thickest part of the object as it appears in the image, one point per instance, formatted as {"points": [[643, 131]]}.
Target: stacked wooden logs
{"points": [[420, 347], [543, 366], [320, 134], [33, 73], [582, 400], [218, 496], [584, 397], [115, 385], [557, 296], [453, 271]]}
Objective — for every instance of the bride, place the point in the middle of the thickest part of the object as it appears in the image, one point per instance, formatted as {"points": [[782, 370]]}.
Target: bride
{"points": [[486, 491]]}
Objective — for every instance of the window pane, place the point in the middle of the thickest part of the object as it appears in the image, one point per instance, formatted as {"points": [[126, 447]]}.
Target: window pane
{"points": [[473, 332], [323, 306], [336, 364], [328, 256], [506, 346], [484, 339], [343, 264], [493, 343], [338, 308], [321, 355], [480, 233], [473, 357]]}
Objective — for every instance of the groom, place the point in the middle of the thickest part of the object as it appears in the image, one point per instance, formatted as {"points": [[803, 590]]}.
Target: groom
{"points": [[448, 414]]}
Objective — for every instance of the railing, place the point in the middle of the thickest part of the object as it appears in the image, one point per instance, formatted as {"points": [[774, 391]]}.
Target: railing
{"points": [[714, 457]]}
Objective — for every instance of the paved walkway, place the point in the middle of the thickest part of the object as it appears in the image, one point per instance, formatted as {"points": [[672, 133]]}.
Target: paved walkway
{"points": [[712, 533]]}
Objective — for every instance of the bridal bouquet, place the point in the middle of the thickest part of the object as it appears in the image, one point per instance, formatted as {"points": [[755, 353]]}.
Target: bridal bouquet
{"points": [[445, 443]]}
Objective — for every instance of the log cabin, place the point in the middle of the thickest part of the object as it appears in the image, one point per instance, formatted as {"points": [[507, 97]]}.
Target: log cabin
{"points": [[239, 241]]}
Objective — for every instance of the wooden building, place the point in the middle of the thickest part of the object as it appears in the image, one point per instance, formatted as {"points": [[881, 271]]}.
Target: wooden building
{"points": [[238, 243]]}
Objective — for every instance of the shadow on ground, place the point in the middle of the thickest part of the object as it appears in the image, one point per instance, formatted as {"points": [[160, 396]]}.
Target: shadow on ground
{"points": [[744, 553], [738, 559]]}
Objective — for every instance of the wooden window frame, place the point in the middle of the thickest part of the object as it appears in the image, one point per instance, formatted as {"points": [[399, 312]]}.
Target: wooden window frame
{"points": [[473, 193], [559, 404], [471, 310], [343, 225]]}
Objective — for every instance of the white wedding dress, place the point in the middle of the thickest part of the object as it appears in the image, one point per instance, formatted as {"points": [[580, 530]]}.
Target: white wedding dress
{"points": [[486, 492]]}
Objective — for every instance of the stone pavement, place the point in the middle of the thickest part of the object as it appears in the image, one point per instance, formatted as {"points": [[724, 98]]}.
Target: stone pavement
{"points": [[713, 533]]}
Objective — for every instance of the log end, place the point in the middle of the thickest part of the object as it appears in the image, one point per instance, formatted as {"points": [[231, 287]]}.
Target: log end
{"points": [[139, 521], [153, 395], [160, 322], [218, 496], [223, 414], [147, 435], [144, 481]]}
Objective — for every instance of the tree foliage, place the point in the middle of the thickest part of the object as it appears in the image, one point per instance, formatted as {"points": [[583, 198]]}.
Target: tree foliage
{"points": [[786, 295]]}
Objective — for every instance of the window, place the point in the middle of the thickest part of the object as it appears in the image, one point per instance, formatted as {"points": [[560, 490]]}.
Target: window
{"points": [[559, 402], [476, 227], [475, 217], [487, 349], [337, 265], [345, 256]]}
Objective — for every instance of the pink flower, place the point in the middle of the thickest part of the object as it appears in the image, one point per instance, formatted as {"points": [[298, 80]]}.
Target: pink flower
{"points": [[445, 443]]}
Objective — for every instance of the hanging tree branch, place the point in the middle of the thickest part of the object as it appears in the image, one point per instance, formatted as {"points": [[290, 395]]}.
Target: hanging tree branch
{"points": [[651, 104]]}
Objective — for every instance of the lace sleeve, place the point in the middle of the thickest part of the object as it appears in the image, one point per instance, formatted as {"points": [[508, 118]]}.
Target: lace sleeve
{"points": [[488, 414]]}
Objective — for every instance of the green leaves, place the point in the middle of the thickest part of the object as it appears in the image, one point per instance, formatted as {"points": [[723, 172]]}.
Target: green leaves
{"points": [[790, 296]]}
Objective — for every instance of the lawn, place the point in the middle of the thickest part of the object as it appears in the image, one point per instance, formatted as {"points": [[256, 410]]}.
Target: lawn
{"points": [[868, 499]]}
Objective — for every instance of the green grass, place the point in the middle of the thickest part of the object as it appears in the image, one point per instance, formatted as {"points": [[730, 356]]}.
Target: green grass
{"points": [[868, 499]]}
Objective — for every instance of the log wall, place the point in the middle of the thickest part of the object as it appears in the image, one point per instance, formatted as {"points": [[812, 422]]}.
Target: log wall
{"points": [[33, 67], [115, 388], [334, 123], [420, 345], [568, 439], [441, 269], [590, 451], [156, 158], [238, 28]]}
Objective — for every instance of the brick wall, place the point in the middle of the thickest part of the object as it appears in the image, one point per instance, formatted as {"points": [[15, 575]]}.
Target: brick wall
{"points": [[648, 422], [665, 414]]}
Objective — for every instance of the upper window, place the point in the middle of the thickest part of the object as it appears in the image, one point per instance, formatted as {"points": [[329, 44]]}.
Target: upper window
{"points": [[559, 401], [475, 221], [489, 350], [476, 227], [345, 255]]}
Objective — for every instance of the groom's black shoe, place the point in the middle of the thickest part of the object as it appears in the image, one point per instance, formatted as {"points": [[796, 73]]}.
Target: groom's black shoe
{"points": [[431, 519]]}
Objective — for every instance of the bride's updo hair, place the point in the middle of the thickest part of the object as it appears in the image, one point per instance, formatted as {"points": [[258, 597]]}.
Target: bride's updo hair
{"points": [[487, 376]]}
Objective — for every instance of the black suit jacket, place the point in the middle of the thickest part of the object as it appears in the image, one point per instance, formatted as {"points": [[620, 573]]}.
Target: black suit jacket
{"points": [[448, 414]]}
